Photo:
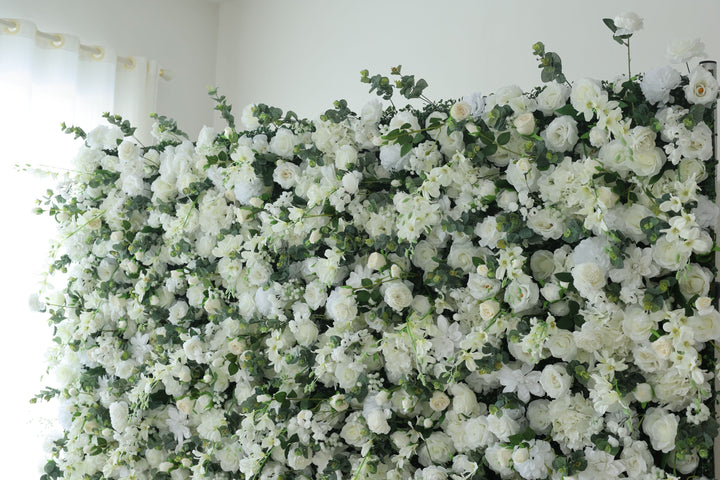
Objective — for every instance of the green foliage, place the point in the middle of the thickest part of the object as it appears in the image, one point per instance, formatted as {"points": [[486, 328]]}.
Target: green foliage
{"points": [[223, 107], [168, 126], [550, 63], [118, 121], [339, 113]]}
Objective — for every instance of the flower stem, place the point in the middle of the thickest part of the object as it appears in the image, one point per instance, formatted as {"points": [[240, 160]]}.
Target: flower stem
{"points": [[628, 59]]}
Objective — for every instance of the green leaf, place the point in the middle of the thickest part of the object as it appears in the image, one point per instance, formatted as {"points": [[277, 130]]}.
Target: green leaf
{"points": [[610, 24], [503, 138], [564, 277], [366, 282]]}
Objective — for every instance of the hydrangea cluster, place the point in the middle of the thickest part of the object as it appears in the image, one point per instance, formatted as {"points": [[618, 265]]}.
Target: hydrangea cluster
{"points": [[517, 285]]}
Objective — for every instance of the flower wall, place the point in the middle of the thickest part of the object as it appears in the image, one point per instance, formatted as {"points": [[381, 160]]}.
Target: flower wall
{"points": [[516, 285]]}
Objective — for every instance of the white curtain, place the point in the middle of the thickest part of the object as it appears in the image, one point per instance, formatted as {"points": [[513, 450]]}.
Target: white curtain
{"points": [[44, 83]]}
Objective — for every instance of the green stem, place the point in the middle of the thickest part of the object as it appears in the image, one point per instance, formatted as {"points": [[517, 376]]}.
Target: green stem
{"points": [[628, 58]]}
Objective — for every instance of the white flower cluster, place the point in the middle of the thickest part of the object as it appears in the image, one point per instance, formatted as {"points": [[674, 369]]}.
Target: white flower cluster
{"points": [[505, 291]]}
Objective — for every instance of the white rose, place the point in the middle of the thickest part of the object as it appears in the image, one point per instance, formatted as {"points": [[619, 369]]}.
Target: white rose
{"points": [[704, 305], [551, 292], [685, 464], [283, 143], [248, 119], [642, 139], [522, 175], [423, 256], [637, 324], [627, 23], [670, 255], [547, 222], [643, 392], [697, 144], [705, 326], [315, 295], [554, 96], [661, 427], [647, 163], [377, 422], [351, 182], [522, 295], [346, 376], [694, 280], [305, 332], [702, 87], [589, 279], [341, 306], [354, 432], [296, 459], [502, 427], [488, 309], [371, 112], [632, 216], [542, 264], [461, 256], [438, 448], [193, 349], [128, 151], [682, 51], [397, 295], [390, 158], [555, 380], [464, 400], [658, 82], [561, 135], [499, 459], [345, 156], [561, 344], [537, 415], [439, 401], [338, 402], [430, 120], [525, 123], [119, 412], [481, 287], [376, 261], [460, 111], [663, 347], [286, 174], [599, 136]]}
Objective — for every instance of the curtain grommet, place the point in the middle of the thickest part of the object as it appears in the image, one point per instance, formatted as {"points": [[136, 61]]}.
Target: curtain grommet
{"points": [[59, 41], [128, 63], [98, 53], [14, 28]]}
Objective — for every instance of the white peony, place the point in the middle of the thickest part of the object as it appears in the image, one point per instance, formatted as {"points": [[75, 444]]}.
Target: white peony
{"points": [[661, 426], [682, 51], [658, 82], [589, 278], [627, 23]]}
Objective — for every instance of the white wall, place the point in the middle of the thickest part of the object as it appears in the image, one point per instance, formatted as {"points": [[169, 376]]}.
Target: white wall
{"points": [[180, 34], [304, 55]]}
